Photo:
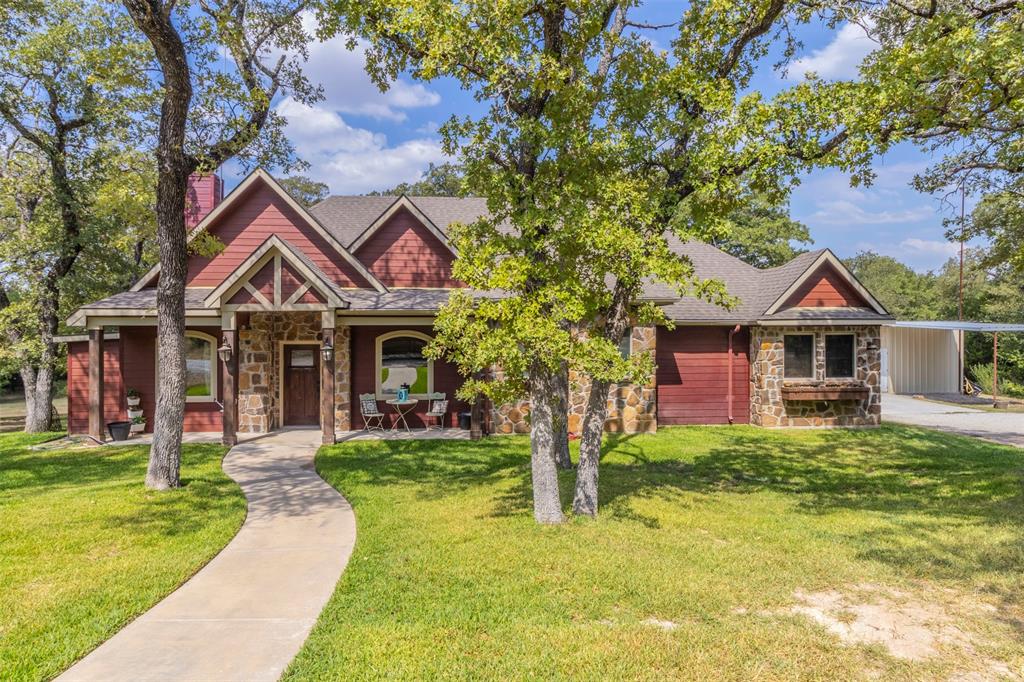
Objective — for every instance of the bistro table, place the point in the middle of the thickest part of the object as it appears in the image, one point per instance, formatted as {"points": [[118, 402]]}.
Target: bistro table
{"points": [[402, 408]]}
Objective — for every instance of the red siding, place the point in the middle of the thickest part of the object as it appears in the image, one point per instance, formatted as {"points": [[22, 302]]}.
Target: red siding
{"points": [[826, 288], [364, 361], [129, 363], [78, 385], [692, 375], [404, 253], [258, 215]]}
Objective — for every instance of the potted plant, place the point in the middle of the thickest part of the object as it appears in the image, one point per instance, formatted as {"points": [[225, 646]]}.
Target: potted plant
{"points": [[134, 397], [138, 424], [119, 430]]}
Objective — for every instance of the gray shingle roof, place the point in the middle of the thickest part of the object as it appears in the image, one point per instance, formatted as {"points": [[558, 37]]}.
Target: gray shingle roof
{"points": [[145, 299], [754, 289], [347, 217]]}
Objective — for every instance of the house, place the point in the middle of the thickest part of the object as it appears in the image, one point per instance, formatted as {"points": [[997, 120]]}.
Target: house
{"points": [[304, 310]]}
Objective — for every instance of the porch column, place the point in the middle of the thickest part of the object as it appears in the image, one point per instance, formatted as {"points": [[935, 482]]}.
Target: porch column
{"points": [[327, 378], [229, 338], [96, 384]]}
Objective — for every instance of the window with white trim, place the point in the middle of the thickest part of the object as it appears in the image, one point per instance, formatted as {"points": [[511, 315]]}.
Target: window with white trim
{"points": [[400, 360], [200, 367], [840, 356]]}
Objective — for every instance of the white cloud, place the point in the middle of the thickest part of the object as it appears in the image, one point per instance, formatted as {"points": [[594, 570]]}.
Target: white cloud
{"points": [[843, 212], [354, 160], [930, 247], [839, 59], [349, 90]]}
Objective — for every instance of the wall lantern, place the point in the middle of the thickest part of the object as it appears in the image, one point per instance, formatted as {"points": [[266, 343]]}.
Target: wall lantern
{"points": [[224, 353], [327, 350]]}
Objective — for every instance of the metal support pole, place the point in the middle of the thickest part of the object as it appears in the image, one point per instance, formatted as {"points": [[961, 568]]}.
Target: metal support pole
{"points": [[995, 368]]}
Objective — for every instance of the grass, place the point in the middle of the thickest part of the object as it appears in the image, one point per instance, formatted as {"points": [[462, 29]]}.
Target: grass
{"points": [[84, 548], [710, 529]]}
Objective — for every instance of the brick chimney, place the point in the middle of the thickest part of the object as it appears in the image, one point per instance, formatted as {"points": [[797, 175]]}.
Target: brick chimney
{"points": [[203, 195]]}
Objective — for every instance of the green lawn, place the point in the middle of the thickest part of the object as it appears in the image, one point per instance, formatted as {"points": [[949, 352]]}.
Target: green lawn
{"points": [[84, 548], [710, 531]]}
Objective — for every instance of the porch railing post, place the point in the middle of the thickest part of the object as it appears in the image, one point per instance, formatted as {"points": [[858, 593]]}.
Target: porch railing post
{"points": [[96, 384]]}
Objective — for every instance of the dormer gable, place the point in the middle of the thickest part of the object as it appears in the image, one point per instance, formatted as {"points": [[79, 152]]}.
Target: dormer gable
{"points": [[404, 248], [826, 283]]}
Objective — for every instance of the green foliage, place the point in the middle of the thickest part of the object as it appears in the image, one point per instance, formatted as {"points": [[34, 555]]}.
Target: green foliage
{"points": [[762, 234], [713, 529], [86, 549], [76, 197], [306, 191], [984, 374], [907, 294], [590, 140], [439, 180]]}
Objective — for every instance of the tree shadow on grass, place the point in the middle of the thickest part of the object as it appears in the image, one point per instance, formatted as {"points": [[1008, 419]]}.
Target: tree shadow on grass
{"points": [[919, 483]]}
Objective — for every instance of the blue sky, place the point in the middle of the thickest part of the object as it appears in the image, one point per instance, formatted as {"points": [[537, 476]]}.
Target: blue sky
{"points": [[359, 139]]}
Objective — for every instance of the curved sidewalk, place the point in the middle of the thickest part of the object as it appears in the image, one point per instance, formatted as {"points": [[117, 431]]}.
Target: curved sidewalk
{"points": [[246, 614]]}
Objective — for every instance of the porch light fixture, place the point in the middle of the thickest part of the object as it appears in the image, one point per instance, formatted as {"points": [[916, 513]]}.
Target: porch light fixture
{"points": [[224, 353], [327, 351]]}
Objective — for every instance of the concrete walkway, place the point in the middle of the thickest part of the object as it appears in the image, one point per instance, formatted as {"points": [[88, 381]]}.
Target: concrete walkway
{"points": [[247, 613], [1001, 427]]}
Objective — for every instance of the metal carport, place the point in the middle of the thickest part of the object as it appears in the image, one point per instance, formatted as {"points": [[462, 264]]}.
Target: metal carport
{"points": [[926, 356]]}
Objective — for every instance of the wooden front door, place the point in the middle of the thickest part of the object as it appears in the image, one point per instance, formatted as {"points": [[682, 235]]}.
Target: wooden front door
{"points": [[301, 385]]}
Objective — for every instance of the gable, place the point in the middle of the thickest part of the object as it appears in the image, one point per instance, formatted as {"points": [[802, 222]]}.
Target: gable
{"points": [[826, 287], [275, 277], [403, 252], [262, 212]]}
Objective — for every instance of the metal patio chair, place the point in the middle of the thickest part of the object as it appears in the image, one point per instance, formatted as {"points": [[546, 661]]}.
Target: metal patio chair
{"points": [[373, 418], [438, 410]]}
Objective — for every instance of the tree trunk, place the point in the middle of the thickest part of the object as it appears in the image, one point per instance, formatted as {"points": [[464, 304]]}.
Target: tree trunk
{"points": [[584, 501], [38, 380], [173, 167], [560, 417], [547, 503], [38, 383]]}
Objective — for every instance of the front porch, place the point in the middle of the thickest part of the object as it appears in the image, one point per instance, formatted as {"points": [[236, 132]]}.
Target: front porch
{"points": [[258, 372]]}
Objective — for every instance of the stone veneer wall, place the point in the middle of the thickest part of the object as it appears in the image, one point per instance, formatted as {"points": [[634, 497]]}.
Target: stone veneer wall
{"points": [[767, 408], [259, 367], [631, 408]]}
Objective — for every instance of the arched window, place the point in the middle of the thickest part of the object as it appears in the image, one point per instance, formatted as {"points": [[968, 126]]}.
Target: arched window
{"points": [[400, 360], [200, 367]]}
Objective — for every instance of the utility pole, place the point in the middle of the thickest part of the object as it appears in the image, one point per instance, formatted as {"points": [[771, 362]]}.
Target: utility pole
{"points": [[960, 304]]}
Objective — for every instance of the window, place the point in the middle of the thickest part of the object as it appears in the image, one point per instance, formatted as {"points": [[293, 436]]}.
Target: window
{"points": [[839, 356], [798, 356], [200, 367], [624, 343], [400, 360]]}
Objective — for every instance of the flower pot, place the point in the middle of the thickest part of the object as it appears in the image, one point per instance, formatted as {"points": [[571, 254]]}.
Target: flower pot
{"points": [[119, 430], [134, 401], [138, 428], [132, 414]]}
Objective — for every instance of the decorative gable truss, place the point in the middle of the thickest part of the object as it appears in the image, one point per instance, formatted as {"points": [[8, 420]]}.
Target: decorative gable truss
{"points": [[276, 276]]}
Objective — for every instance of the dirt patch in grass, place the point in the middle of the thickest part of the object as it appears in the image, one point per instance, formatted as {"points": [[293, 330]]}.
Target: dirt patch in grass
{"points": [[910, 627]]}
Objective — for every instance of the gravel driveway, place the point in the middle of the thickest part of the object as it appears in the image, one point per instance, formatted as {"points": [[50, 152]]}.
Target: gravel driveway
{"points": [[1003, 427]]}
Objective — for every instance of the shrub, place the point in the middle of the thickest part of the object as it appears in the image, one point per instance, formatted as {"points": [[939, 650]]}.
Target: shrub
{"points": [[982, 373]]}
